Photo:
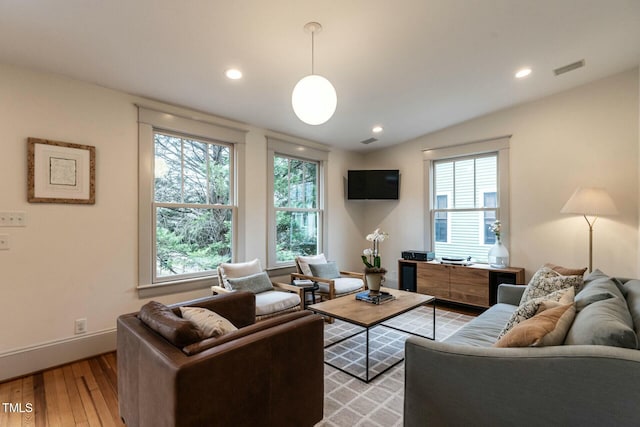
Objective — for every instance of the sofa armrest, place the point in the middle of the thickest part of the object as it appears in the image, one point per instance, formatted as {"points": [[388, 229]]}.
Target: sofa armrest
{"points": [[510, 294], [499, 386]]}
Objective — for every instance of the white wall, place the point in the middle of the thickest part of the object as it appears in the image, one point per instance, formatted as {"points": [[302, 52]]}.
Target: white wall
{"points": [[582, 137], [75, 261]]}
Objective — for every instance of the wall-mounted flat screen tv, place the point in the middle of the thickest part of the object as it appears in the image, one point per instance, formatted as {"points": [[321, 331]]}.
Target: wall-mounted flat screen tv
{"points": [[373, 184]]}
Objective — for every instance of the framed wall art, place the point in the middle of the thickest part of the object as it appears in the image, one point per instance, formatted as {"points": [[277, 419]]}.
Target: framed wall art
{"points": [[60, 172]]}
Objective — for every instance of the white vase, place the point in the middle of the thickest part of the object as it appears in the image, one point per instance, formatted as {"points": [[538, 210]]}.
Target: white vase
{"points": [[498, 255], [374, 281]]}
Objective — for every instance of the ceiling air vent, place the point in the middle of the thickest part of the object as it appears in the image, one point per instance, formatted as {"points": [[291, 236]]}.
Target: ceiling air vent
{"points": [[368, 141], [570, 67]]}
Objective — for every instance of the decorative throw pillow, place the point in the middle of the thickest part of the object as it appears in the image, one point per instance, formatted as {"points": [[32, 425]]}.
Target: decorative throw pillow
{"points": [[328, 270], [238, 269], [160, 318], [546, 281], [530, 308], [548, 327], [566, 271], [604, 322], [304, 261], [209, 323], [255, 283]]}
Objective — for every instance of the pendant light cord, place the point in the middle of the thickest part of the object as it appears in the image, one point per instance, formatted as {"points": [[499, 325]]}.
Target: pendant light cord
{"points": [[312, 50]]}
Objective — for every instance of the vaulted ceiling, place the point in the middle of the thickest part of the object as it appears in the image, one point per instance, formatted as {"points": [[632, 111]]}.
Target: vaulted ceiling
{"points": [[411, 66]]}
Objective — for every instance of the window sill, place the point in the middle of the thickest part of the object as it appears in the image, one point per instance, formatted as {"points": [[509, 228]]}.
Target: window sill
{"points": [[174, 287]]}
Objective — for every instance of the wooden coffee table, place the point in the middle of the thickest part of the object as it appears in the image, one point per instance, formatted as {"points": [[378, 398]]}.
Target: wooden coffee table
{"points": [[369, 315]]}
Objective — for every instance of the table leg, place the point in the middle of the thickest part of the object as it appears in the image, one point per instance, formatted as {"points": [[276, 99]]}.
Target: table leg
{"points": [[367, 359]]}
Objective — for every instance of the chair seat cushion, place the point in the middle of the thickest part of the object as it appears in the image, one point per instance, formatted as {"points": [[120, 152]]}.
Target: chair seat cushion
{"points": [[274, 301], [343, 285]]}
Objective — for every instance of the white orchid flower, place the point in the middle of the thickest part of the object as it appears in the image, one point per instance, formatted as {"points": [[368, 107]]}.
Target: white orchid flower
{"points": [[367, 252], [370, 237]]}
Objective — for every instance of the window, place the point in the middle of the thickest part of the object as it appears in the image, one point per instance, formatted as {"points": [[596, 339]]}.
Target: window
{"points": [[295, 201], [297, 224], [490, 201], [187, 209], [465, 204], [191, 205], [440, 218]]}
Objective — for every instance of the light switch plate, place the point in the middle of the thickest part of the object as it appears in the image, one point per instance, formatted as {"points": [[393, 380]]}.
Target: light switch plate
{"points": [[13, 219]]}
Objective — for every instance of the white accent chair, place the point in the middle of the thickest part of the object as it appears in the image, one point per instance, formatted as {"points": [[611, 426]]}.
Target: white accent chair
{"points": [[348, 283], [284, 298]]}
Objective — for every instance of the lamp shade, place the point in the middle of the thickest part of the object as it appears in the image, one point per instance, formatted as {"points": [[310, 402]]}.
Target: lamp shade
{"points": [[590, 201], [314, 99]]}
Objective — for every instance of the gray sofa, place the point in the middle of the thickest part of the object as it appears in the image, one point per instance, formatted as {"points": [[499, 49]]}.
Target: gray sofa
{"points": [[465, 381]]}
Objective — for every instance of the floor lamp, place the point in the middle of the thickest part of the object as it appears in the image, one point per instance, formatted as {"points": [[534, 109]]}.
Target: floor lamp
{"points": [[593, 202]]}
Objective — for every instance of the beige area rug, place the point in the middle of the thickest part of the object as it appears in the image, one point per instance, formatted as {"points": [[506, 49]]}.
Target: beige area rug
{"points": [[350, 402]]}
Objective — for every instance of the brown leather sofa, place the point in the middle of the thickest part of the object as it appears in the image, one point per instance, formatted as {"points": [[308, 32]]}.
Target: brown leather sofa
{"points": [[268, 373]]}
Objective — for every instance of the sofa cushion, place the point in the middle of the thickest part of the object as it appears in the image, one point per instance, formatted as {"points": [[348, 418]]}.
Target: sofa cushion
{"points": [[304, 261], [160, 318], [566, 271], [633, 302], [255, 283], [228, 270], [604, 322], [343, 285], [530, 308], [546, 281], [548, 327], [210, 323], [483, 331], [274, 301], [328, 270], [597, 290]]}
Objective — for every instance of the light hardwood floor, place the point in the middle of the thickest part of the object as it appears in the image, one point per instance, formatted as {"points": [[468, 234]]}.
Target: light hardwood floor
{"points": [[83, 393]]}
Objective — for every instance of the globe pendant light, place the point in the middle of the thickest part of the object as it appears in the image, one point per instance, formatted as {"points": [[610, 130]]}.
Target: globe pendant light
{"points": [[314, 99]]}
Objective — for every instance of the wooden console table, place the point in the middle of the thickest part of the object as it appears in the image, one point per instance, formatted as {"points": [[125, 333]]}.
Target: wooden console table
{"points": [[475, 284]]}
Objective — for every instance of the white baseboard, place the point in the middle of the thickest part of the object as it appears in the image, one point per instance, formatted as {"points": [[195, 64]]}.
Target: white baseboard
{"points": [[20, 362]]}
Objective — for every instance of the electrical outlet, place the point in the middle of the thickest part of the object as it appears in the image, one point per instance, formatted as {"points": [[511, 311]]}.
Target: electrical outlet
{"points": [[80, 326], [4, 242]]}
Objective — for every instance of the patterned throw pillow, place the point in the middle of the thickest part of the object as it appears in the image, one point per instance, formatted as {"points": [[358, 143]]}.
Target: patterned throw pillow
{"points": [[528, 309], [546, 281], [209, 323]]}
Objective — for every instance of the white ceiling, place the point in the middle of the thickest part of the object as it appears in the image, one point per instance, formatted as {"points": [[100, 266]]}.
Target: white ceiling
{"points": [[412, 66]]}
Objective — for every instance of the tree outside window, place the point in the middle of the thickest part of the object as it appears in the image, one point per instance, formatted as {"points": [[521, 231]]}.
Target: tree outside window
{"points": [[297, 212], [192, 205]]}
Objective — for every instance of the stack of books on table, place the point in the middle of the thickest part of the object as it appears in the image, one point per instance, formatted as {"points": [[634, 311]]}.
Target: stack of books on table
{"points": [[303, 283], [379, 298]]}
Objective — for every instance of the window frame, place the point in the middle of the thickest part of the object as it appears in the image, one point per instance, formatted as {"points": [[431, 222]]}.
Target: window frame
{"points": [[448, 195], [303, 152], [483, 220], [151, 120], [499, 146]]}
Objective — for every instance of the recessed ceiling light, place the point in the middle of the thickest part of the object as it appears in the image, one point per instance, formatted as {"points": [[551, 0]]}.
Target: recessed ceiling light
{"points": [[523, 73], [377, 129], [233, 74]]}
